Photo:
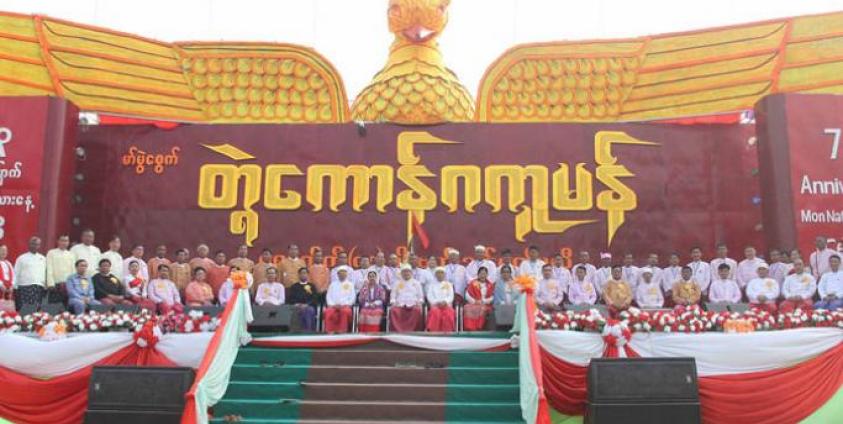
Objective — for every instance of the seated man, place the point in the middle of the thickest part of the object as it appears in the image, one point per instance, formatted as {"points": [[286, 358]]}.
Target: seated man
{"points": [[340, 298], [371, 299], [198, 292], [763, 291], [581, 291], [479, 295], [617, 293], [305, 299], [550, 293], [831, 286], [107, 288], [270, 292], [724, 289], [686, 291], [440, 297], [406, 300], [136, 287], [80, 291], [164, 292], [648, 294], [798, 289]]}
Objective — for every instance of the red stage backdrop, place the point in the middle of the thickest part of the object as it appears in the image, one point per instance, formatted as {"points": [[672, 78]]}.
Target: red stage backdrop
{"points": [[802, 167], [37, 135], [636, 187]]}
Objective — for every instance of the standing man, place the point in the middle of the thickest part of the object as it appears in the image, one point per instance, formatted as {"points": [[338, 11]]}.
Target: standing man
{"points": [[80, 290], [585, 262], [723, 258], [263, 265], [392, 271], [778, 269], [201, 259], [379, 267], [481, 261], [506, 259], [456, 274], [30, 276], [670, 276], [218, 272], [748, 268], [359, 276], [87, 251], [819, 259], [700, 271], [180, 272], [533, 265], [137, 255], [59, 267], [560, 273], [319, 273], [630, 271], [289, 267], [422, 275], [798, 289], [159, 259], [113, 256], [242, 261], [604, 273], [831, 286]]}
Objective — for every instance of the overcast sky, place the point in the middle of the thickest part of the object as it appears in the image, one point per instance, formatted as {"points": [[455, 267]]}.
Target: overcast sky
{"points": [[353, 34]]}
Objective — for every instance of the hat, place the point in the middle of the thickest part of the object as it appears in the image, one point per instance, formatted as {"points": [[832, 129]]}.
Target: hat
{"points": [[479, 248], [647, 270], [605, 255], [439, 269], [762, 265], [453, 252], [406, 267]]}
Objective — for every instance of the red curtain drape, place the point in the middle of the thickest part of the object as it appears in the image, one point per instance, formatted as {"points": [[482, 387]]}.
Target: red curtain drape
{"points": [[785, 395], [63, 399]]}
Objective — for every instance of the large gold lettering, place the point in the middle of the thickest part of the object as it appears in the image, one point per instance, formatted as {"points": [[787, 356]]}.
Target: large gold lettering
{"points": [[244, 221], [516, 177], [579, 199], [361, 177], [419, 196], [276, 198], [449, 186]]}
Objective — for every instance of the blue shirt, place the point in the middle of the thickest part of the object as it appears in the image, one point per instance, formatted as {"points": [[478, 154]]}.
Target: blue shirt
{"points": [[79, 286]]}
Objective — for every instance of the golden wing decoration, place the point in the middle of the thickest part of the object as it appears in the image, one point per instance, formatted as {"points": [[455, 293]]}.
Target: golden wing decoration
{"points": [[107, 71], [664, 76]]}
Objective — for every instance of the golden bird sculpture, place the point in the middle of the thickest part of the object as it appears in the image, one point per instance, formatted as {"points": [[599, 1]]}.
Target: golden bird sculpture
{"points": [[415, 87]]}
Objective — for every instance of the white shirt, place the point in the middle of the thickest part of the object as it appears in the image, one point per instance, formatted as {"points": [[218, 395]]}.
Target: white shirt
{"points": [[474, 266], [590, 270], [747, 270], [335, 272], [456, 274], [60, 265], [562, 275], [516, 271], [601, 276], [91, 254], [423, 276], [226, 291], [670, 276], [716, 262], [778, 271], [533, 269], [803, 285], [819, 261], [144, 268], [830, 283], [767, 287], [272, 293], [30, 269], [440, 292], [340, 293], [550, 292], [658, 275], [407, 293], [701, 274], [630, 275], [649, 295], [116, 263]]}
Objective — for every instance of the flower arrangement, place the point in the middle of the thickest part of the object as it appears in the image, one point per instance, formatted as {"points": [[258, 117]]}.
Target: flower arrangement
{"points": [[525, 283], [692, 320], [94, 322]]}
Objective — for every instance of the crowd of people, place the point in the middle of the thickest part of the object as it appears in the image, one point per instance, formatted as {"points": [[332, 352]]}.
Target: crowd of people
{"points": [[83, 275]]}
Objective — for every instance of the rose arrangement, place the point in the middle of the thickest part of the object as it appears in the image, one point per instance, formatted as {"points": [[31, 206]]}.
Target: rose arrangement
{"points": [[92, 322], [692, 320]]}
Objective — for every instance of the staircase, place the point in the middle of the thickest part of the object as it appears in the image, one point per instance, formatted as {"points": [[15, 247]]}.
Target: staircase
{"points": [[375, 383]]}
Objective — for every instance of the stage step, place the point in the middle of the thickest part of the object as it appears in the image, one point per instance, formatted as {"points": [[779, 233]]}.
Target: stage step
{"points": [[383, 383]]}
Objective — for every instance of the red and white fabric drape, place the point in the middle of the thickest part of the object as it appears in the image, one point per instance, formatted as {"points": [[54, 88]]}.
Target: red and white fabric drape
{"points": [[47, 382], [762, 377]]}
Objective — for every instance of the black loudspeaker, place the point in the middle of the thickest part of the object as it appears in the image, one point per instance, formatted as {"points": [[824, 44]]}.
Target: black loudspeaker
{"points": [[643, 390], [271, 317], [137, 394]]}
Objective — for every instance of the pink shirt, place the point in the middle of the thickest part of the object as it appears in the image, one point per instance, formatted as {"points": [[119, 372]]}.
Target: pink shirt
{"points": [[724, 291], [819, 261], [747, 271]]}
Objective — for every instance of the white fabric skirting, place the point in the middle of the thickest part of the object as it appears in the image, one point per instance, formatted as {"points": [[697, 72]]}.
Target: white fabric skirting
{"points": [[440, 343], [715, 353], [35, 358]]}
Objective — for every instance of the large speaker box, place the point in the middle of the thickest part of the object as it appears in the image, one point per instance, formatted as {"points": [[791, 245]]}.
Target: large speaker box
{"points": [[137, 394], [643, 390]]}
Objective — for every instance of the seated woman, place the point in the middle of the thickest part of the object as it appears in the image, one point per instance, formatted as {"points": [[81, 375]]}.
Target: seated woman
{"points": [[478, 301], [406, 300], [304, 297], [371, 299], [198, 292], [136, 287], [340, 298], [164, 292], [270, 292], [506, 292], [581, 291], [440, 297]]}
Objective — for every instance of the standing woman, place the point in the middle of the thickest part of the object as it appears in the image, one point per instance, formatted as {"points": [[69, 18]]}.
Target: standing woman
{"points": [[7, 278], [371, 299], [478, 297]]}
